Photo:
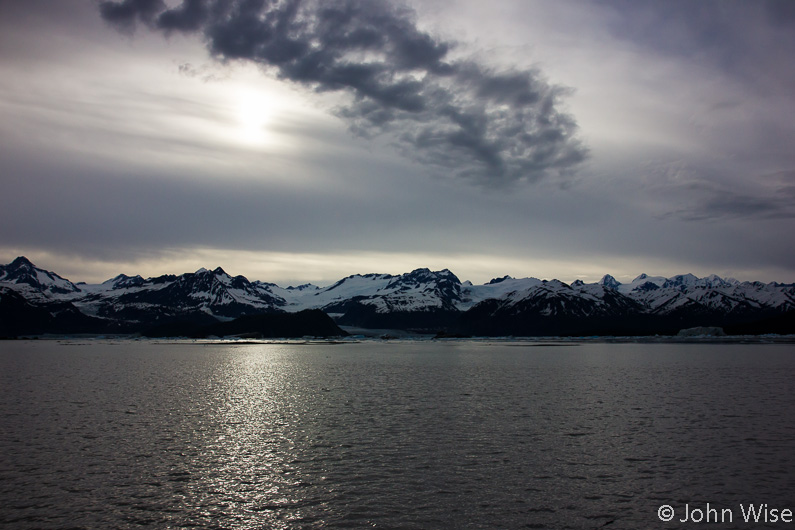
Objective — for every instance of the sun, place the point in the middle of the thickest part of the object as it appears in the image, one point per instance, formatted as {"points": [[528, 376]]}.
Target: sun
{"points": [[253, 111]]}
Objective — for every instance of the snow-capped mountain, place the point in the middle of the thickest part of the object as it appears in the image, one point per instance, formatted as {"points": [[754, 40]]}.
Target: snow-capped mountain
{"points": [[421, 299], [555, 298], [541, 307], [212, 293], [421, 290], [710, 294], [34, 283]]}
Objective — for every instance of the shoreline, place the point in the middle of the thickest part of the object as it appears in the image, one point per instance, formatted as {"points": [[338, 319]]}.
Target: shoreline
{"points": [[403, 336]]}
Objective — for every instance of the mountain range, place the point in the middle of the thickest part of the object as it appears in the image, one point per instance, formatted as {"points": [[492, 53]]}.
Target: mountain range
{"points": [[212, 302]]}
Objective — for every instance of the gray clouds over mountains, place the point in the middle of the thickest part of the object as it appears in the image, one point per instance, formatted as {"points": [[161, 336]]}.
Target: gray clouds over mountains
{"points": [[493, 127], [296, 141]]}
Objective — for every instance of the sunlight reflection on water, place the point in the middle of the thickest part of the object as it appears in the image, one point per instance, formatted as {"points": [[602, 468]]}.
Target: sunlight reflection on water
{"points": [[246, 473], [425, 435]]}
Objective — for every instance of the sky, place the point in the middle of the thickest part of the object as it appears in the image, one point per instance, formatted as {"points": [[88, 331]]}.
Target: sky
{"points": [[304, 141]]}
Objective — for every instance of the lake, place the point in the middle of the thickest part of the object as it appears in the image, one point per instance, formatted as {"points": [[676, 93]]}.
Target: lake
{"points": [[397, 434]]}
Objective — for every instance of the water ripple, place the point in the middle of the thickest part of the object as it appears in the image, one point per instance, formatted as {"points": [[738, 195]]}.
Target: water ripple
{"points": [[397, 435]]}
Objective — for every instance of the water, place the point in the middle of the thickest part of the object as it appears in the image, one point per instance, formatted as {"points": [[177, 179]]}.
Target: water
{"points": [[392, 435]]}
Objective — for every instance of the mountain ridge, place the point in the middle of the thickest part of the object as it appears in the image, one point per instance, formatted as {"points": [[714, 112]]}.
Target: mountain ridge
{"points": [[420, 300]]}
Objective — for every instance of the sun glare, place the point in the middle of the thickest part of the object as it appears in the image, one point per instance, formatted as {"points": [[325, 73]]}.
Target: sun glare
{"points": [[253, 111]]}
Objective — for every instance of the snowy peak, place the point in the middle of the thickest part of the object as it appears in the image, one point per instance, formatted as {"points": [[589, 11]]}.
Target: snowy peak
{"points": [[685, 282], [498, 288], [419, 276], [303, 287], [218, 293], [210, 293], [609, 282], [20, 262], [418, 290], [443, 282], [34, 282], [556, 299], [642, 283], [688, 294], [122, 281], [425, 289], [645, 278], [359, 285], [681, 280]]}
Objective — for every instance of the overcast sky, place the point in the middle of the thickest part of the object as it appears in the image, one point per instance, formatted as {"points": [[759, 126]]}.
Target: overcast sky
{"points": [[305, 141]]}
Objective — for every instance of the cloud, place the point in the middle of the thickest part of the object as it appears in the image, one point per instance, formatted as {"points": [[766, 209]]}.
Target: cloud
{"points": [[491, 127], [717, 204], [771, 197], [124, 14], [751, 42]]}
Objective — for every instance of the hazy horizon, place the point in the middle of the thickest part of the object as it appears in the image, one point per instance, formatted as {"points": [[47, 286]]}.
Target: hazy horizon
{"points": [[326, 283]]}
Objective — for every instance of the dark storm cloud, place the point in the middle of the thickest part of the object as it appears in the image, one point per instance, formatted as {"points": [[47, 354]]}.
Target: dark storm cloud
{"points": [[188, 17], [493, 127], [124, 14]]}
